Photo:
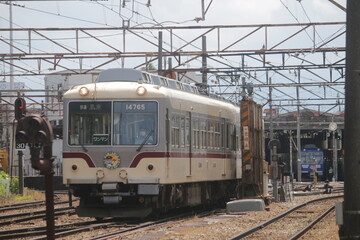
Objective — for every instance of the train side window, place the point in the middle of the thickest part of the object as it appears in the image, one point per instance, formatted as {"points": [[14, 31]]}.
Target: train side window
{"points": [[230, 136], [217, 135], [196, 133], [182, 132], [175, 131], [155, 80], [203, 134], [226, 138], [211, 127]]}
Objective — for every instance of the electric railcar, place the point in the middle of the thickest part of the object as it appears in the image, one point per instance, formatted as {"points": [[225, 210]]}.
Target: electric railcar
{"points": [[312, 161], [137, 143]]}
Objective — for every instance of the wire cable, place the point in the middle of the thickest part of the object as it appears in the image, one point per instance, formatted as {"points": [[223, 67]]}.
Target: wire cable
{"points": [[55, 14]]}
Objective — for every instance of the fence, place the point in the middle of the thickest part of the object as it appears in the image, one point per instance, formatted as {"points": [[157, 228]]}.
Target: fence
{"points": [[29, 171]]}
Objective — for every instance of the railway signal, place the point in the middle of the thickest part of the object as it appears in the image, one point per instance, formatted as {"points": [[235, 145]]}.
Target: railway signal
{"points": [[36, 131], [20, 108], [33, 129]]}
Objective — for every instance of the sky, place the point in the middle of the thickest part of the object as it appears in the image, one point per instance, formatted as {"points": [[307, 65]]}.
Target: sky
{"points": [[106, 13], [74, 14]]}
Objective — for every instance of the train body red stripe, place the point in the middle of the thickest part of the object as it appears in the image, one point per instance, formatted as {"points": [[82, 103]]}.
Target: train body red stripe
{"points": [[82, 155], [143, 155]]}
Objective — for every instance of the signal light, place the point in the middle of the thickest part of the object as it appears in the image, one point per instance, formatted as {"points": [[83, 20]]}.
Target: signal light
{"points": [[34, 130], [20, 108], [21, 137]]}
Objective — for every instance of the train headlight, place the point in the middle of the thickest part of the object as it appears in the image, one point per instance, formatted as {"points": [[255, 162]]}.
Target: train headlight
{"points": [[141, 91], [83, 91]]}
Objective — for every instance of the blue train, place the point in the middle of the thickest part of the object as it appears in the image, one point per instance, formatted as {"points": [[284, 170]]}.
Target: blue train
{"points": [[312, 159]]}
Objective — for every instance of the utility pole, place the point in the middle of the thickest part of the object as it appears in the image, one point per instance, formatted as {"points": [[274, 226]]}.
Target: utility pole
{"points": [[351, 207], [204, 61], [273, 146], [160, 53], [291, 157], [298, 139]]}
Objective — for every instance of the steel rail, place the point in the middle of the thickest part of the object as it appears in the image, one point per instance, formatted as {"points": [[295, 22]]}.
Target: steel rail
{"points": [[280, 216], [312, 224], [29, 204], [2, 217], [20, 205], [144, 225], [41, 216], [41, 230]]}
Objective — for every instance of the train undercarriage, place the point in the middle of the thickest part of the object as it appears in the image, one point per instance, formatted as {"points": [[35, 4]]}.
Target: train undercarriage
{"points": [[142, 200]]}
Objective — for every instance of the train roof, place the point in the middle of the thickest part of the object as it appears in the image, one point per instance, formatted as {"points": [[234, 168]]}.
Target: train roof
{"points": [[133, 75], [123, 83], [120, 75]]}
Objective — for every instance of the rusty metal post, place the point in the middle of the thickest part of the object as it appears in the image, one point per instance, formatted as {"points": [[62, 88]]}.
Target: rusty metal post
{"points": [[70, 198], [21, 173], [49, 193], [37, 132]]}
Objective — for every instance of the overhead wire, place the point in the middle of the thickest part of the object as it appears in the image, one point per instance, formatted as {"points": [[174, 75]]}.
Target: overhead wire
{"points": [[152, 18], [322, 42], [287, 8], [55, 14], [297, 20], [307, 16]]}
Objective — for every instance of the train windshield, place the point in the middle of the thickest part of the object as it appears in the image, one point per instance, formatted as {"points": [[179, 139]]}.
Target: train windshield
{"points": [[89, 123], [312, 157], [135, 123]]}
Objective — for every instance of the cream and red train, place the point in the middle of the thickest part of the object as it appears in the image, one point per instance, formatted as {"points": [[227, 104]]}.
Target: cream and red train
{"points": [[135, 143]]}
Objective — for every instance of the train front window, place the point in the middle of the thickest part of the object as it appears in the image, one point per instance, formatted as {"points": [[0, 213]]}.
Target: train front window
{"points": [[89, 123], [135, 123]]}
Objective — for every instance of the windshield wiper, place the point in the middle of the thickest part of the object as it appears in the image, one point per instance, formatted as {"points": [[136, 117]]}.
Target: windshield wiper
{"points": [[145, 140], [83, 147]]}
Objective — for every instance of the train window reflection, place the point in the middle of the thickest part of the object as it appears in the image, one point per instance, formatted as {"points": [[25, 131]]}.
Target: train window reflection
{"points": [[135, 122], [89, 123]]}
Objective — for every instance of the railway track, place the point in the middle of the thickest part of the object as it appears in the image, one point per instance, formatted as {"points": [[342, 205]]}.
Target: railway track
{"points": [[119, 234], [114, 227], [31, 215], [61, 230], [293, 223], [17, 206], [307, 228]]}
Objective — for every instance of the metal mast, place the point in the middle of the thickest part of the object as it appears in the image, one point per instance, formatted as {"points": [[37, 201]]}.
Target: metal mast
{"points": [[350, 228]]}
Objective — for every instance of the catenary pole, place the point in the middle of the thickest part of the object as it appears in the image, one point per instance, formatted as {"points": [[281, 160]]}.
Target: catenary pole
{"points": [[351, 208]]}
